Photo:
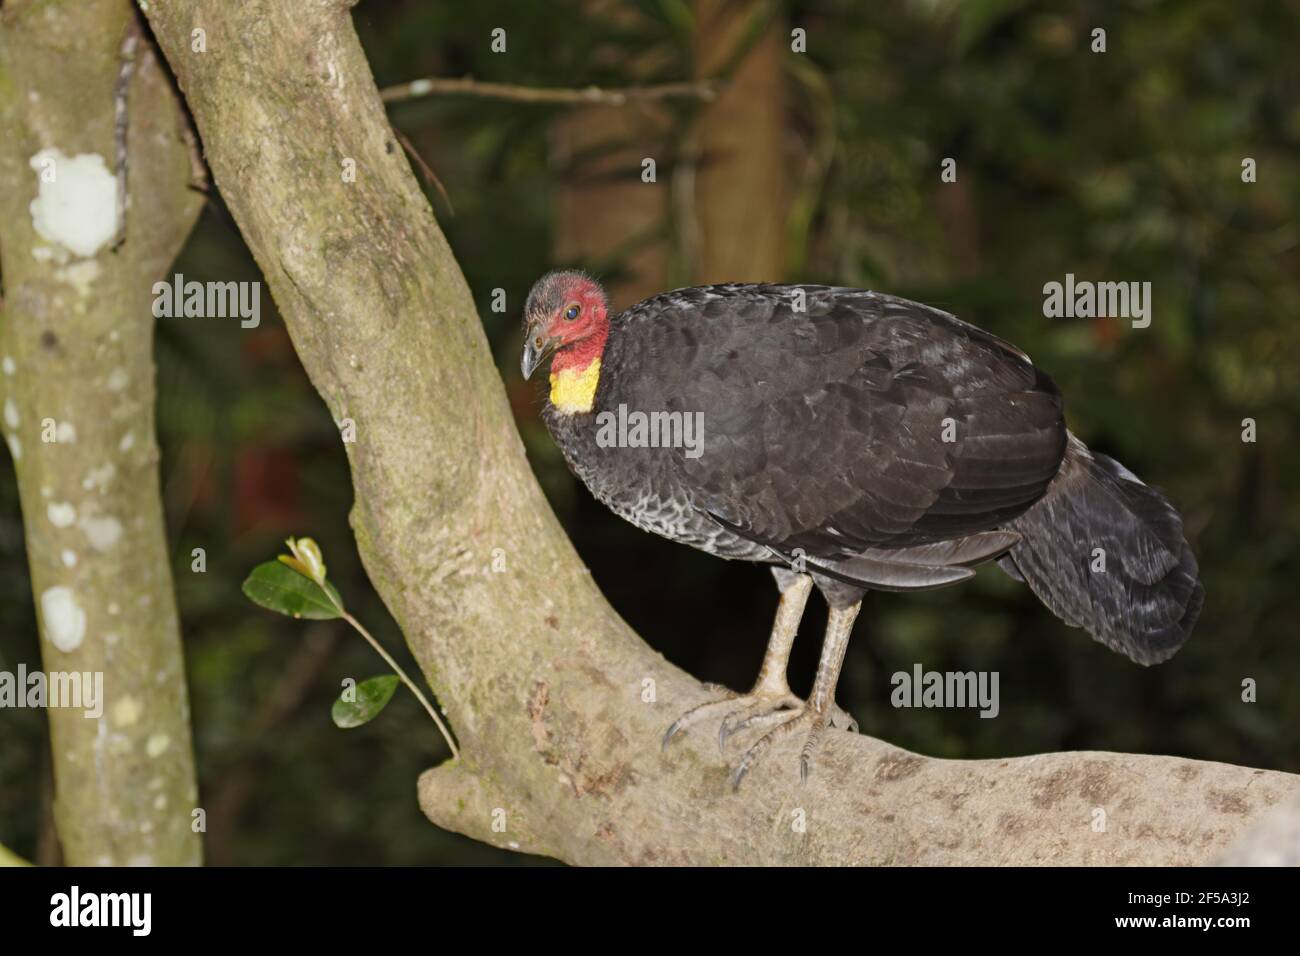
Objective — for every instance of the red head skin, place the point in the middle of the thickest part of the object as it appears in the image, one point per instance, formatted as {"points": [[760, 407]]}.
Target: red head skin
{"points": [[582, 338]]}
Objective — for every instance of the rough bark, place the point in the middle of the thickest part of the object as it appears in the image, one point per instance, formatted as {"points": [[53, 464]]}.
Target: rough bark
{"points": [[1273, 841], [77, 343], [545, 686]]}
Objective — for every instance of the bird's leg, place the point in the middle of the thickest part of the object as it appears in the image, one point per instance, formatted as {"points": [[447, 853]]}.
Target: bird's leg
{"points": [[770, 691], [820, 708]]}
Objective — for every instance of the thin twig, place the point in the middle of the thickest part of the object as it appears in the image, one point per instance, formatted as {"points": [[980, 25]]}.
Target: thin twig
{"points": [[429, 174], [379, 648], [591, 95]]}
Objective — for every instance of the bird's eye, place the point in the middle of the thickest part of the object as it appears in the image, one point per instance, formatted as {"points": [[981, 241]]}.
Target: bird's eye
{"points": [[571, 312]]}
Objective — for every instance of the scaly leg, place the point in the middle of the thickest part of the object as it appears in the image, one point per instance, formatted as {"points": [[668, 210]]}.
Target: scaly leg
{"points": [[820, 708], [770, 692]]}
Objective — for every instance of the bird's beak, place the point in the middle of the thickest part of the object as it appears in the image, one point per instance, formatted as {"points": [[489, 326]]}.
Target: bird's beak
{"points": [[537, 347]]}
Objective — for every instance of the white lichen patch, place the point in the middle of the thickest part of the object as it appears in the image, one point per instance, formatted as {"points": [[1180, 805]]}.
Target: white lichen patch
{"points": [[76, 201], [61, 514], [15, 447], [157, 745], [117, 380], [79, 275], [69, 558], [65, 433], [11, 413], [160, 802], [113, 608], [127, 711], [65, 621], [8, 365], [97, 479], [102, 531], [127, 442]]}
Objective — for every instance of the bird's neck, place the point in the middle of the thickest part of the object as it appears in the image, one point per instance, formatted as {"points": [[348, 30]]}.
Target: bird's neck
{"points": [[575, 373]]}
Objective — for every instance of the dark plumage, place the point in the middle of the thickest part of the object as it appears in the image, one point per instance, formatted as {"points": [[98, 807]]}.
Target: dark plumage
{"points": [[874, 442]]}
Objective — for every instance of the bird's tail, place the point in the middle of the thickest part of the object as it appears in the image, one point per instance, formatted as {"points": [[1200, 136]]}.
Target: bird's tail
{"points": [[1106, 553]]}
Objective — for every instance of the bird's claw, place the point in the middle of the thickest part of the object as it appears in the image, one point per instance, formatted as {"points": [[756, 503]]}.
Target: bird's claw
{"points": [[805, 716], [766, 709], [757, 703], [696, 714], [841, 719], [758, 709]]}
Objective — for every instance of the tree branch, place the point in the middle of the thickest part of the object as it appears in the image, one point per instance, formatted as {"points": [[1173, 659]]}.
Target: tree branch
{"points": [[547, 688], [77, 342], [585, 96]]}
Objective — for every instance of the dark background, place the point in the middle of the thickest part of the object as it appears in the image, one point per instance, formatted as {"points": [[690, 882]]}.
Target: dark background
{"points": [[1118, 166]]}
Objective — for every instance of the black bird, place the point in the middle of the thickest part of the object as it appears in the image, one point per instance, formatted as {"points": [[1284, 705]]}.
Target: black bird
{"points": [[854, 441]]}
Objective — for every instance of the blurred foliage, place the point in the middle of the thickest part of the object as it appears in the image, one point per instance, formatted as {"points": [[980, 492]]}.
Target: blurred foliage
{"points": [[1120, 166]]}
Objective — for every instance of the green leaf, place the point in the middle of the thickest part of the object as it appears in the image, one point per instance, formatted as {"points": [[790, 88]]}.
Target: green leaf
{"points": [[280, 588], [372, 696]]}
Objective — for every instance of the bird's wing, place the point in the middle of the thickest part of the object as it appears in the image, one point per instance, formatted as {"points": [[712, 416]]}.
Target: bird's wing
{"points": [[856, 423]]}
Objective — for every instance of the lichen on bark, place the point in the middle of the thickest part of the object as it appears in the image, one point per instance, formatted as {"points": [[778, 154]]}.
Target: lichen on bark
{"points": [[76, 339]]}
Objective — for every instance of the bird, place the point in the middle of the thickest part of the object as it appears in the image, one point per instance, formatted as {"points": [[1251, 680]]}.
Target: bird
{"points": [[853, 441]]}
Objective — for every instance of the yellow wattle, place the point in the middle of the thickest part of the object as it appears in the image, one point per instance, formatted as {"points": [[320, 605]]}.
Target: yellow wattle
{"points": [[574, 390]]}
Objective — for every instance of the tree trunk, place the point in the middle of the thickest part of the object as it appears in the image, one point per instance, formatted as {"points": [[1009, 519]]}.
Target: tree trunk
{"points": [[558, 705], [78, 391], [741, 200], [606, 215]]}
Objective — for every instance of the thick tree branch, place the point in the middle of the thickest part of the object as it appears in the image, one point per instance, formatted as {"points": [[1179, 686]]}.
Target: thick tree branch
{"points": [[547, 689], [76, 347], [1273, 841]]}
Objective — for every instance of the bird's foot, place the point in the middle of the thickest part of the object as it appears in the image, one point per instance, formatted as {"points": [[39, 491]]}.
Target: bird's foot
{"points": [[762, 708], [757, 703], [841, 719], [760, 712], [775, 710], [804, 717]]}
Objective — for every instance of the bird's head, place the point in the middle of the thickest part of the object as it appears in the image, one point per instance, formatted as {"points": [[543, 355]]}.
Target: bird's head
{"points": [[566, 315]]}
